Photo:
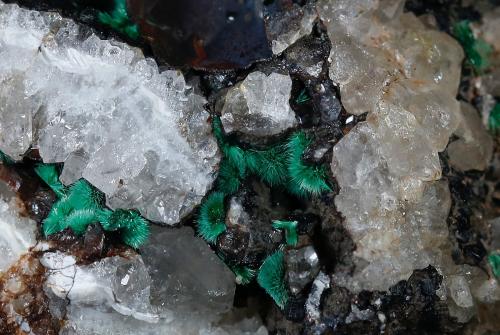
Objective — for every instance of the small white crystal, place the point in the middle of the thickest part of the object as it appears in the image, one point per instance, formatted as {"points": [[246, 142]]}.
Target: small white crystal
{"points": [[259, 105]]}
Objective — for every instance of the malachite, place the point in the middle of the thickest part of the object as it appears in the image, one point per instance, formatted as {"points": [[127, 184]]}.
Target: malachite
{"points": [[290, 228], [494, 119], [303, 97], [271, 278], [81, 205], [494, 261], [278, 165], [119, 20], [5, 158], [477, 51], [211, 217], [244, 274]]}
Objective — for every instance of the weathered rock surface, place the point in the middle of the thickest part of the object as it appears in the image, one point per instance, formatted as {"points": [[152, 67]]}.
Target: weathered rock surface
{"points": [[259, 105], [140, 136]]}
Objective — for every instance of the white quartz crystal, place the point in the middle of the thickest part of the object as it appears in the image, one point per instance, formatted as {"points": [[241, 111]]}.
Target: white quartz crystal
{"points": [[259, 105], [140, 136], [17, 233]]}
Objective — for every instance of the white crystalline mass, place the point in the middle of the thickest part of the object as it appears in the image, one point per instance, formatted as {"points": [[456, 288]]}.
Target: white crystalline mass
{"points": [[116, 296], [406, 76], [17, 235], [259, 105], [376, 47], [140, 136]]}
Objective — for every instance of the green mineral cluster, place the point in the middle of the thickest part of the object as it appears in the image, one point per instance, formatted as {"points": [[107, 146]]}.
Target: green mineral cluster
{"points": [[494, 119], [81, 205], [119, 20], [280, 165], [476, 50]]}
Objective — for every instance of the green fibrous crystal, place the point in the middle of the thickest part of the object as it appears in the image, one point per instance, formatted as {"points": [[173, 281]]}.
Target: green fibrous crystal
{"points": [[50, 175], [244, 275], [271, 278], [494, 261], [81, 205], [119, 20], [303, 97], [494, 120], [211, 217], [477, 51], [290, 228]]}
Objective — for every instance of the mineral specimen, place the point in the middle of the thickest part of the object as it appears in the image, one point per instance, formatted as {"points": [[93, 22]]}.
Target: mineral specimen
{"points": [[259, 105], [140, 136]]}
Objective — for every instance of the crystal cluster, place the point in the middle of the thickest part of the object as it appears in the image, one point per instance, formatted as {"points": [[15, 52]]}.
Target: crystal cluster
{"points": [[259, 105], [405, 75], [99, 106]]}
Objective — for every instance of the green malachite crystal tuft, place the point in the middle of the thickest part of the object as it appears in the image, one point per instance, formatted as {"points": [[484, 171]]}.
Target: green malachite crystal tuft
{"points": [[119, 20], [271, 278], [81, 205], [494, 260], [477, 51], [244, 275], [290, 228], [494, 119], [211, 217]]}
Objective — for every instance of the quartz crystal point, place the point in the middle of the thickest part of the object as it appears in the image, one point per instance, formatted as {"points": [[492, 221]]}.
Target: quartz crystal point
{"points": [[259, 105], [140, 136]]}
